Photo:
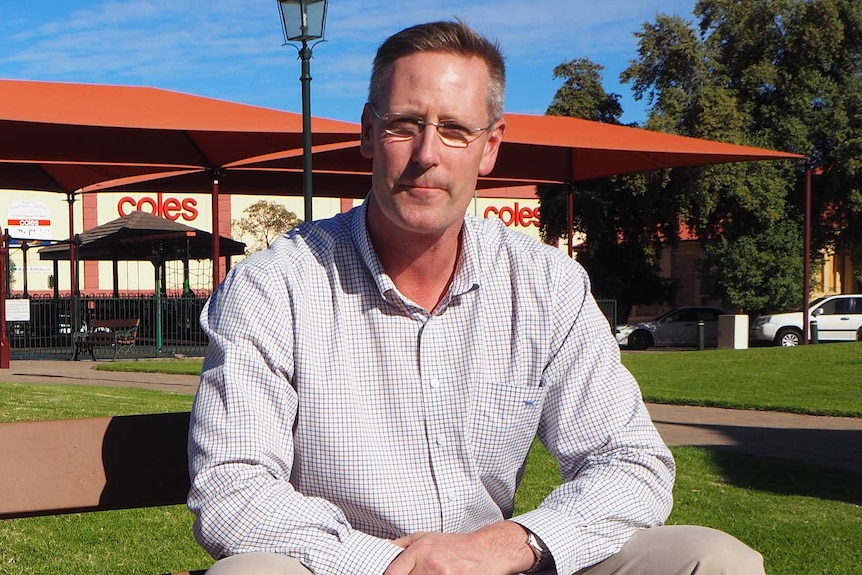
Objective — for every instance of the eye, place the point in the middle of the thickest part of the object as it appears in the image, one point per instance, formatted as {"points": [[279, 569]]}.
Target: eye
{"points": [[403, 125], [454, 131]]}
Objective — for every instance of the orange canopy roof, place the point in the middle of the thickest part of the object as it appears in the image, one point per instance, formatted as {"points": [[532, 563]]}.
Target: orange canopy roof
{"points": [[92, 123], [555, 149]]}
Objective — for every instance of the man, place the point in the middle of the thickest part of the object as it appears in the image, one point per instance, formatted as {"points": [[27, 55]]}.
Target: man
{"points": [[374, 381]]}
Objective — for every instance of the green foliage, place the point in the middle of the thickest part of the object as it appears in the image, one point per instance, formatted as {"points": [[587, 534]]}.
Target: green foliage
{"points": [[781, 74], [263, 221], [622, 218], [759, 273], [582, 94]]}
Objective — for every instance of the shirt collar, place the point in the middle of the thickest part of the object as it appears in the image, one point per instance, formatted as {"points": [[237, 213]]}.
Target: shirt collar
{"points": [[466, 270]]}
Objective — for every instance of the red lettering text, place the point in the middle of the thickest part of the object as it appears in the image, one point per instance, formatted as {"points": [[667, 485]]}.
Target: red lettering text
{"points": [[515, 216], [168, 208]]}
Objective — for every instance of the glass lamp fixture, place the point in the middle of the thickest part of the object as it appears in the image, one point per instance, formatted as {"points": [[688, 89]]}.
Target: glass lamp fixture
{"points": [[302, 20]]}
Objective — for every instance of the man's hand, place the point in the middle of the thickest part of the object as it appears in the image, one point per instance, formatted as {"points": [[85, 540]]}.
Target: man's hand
{"points": [[498, 549]]}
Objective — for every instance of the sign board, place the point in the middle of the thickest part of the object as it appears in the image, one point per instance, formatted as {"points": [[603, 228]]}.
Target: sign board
{"points": [[29, 220], [17, 310]]}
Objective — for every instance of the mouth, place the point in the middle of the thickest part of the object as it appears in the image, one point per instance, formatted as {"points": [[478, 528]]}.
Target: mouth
{"points": [[422, 190]]}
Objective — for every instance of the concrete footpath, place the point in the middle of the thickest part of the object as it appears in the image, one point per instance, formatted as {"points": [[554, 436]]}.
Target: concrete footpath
{"points": [[828, 441]]}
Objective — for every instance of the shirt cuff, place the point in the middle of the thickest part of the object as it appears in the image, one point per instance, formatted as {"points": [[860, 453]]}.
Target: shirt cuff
{"points": [[573, 547], [361, 553]]}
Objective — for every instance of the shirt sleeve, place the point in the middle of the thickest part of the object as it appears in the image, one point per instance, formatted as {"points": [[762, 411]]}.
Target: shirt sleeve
{"points": [[241, 444], [618, 474]]}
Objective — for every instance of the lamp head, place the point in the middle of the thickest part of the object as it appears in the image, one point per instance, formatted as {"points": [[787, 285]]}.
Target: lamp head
{"points": [[302, 20]]}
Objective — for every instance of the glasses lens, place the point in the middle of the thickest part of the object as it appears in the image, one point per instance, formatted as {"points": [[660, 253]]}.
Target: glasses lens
{"points": [[456, 134], [405, 127], [402, 126]]}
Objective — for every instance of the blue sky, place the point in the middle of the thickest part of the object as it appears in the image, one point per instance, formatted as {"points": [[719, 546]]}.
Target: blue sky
{"points": [[232, 49]]}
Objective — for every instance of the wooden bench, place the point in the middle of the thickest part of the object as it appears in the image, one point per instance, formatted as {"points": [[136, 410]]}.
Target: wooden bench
{"points": [[93, 464], [119, 334]]}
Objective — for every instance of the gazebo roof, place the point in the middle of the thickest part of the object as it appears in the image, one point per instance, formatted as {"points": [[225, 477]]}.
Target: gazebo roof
{"points": [[141, 236]]}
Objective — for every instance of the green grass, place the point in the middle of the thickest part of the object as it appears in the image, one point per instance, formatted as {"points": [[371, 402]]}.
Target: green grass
{"points": [[816, 379], [146, 541], [24, 402], [170, 366], [803, 518]]}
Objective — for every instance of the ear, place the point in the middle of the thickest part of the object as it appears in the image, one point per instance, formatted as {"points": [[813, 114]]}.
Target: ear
{"points": [[366, 134], [492, 148]]}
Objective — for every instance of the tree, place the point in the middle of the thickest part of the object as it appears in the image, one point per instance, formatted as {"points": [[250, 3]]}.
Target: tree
{"points": [[784, 74], [264, 221], [621, 217]]}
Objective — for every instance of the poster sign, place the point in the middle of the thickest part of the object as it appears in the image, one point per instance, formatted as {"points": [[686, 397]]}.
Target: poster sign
{"points": [[17, 310], [29, 220]]}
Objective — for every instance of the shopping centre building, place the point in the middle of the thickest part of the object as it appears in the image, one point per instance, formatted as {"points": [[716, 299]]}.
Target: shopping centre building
{"points": [[35, 219]]}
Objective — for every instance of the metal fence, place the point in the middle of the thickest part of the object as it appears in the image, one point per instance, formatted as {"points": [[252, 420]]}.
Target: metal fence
{"points": [[168, 325], [609, 308]]}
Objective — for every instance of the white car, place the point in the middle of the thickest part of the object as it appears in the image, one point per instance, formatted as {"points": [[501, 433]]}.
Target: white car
{"points": [[838, 317]]}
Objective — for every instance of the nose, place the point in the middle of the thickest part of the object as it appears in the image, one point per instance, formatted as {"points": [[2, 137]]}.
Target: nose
{"points": [[426, 147]]}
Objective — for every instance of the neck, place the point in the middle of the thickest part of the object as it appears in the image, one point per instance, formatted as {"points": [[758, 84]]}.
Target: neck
{"points": [[421, 266]]}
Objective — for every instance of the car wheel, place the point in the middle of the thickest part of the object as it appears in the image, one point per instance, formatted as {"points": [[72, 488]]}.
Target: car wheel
{"points": [[859, 334], [788, 337], [640, 339]]}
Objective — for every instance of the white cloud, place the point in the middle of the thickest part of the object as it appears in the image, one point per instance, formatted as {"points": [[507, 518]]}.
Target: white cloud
{"points": [[228, 48]]}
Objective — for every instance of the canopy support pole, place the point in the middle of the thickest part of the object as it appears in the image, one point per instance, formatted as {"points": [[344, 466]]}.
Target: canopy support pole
{"points": [[570, 215], [216, 255], [806, 262], [4, 340], [73, 265]]}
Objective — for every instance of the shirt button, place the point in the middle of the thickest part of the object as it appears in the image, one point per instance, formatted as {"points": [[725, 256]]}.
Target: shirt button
{"points": [[441, 440], [435, 383]]}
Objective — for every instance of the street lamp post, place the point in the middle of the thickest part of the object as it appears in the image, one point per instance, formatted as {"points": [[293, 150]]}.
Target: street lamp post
{"points": [[303, 21]]}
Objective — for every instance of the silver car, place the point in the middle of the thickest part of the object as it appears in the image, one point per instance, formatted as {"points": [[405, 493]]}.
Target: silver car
{"points": [[676, 328]]}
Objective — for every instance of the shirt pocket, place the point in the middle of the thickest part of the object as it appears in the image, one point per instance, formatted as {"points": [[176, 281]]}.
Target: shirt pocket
{"points": [[504, 419]]}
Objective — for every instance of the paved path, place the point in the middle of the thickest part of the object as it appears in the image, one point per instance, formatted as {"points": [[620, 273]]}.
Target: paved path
{"points": [[828, 441]]}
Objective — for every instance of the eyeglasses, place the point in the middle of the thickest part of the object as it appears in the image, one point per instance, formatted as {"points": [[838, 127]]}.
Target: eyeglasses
{"points": [[407, 127]]}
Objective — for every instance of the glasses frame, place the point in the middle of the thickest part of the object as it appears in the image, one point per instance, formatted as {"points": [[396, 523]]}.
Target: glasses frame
{"points": [[475, 133]]}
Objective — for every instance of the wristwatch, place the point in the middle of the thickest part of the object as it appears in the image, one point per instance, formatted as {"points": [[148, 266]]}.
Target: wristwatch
{"points": [[543, 557]]}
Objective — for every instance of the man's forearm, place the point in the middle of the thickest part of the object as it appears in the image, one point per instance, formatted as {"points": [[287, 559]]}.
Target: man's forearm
{"points": [[497, 549]]}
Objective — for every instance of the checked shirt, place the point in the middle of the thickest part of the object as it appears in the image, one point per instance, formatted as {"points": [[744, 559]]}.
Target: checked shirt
{"points": [[334, 414]]}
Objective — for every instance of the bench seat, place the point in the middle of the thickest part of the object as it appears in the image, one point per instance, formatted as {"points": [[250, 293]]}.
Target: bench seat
{"points": [[118, 334], [93, 464]]}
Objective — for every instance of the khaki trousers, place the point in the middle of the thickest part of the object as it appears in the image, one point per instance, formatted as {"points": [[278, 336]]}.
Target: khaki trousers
{"points": [[669, 550]]}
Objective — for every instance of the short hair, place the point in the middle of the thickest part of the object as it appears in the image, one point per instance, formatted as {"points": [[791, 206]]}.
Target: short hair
{"points": [[448, 37]]}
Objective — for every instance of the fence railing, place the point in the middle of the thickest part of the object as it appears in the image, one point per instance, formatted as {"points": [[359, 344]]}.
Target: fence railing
{"points": [[609, 308], [168, 325]]}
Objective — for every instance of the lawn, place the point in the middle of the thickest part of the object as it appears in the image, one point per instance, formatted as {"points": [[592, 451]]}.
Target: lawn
{"points": [[804, 519], [814, 379]]}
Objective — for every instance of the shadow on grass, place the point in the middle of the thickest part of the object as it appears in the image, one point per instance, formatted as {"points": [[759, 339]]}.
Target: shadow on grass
{"points": [[822, 463], [786, 477]]}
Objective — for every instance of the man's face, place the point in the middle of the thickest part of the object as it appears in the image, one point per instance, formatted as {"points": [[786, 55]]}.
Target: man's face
{"points": [[421, 185]]}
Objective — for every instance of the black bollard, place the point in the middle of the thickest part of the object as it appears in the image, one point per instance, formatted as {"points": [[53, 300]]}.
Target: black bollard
{"points": [[700, 335], [815, 333]]}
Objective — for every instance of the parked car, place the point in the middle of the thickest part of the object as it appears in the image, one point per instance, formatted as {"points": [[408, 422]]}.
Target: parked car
{"points": [[676, 328], [838, 317]]}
